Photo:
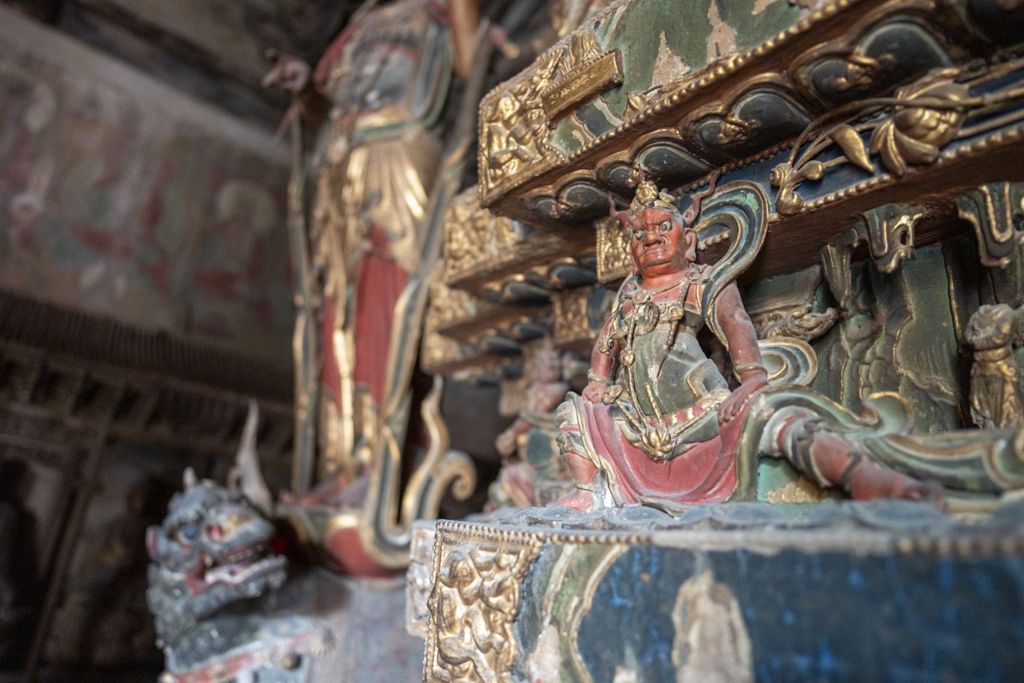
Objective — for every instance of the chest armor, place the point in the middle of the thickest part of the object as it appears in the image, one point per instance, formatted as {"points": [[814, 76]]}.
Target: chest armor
{"points": [[660, 355]]}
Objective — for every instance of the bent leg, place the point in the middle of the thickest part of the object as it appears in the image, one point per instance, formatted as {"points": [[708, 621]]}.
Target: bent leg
{"points": [[830, 459], [583, 475]]}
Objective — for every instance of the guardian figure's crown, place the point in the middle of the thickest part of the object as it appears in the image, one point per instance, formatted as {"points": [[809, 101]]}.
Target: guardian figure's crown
{"points": [[648, 196]]}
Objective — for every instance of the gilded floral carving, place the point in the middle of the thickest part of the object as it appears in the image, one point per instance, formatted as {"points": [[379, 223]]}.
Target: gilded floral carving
{"points": [[473, 606], [570, 319], [480, 244], [913, 136], [613, 260], [922, 119]]}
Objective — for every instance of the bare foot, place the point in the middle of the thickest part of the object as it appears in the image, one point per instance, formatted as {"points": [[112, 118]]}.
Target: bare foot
{"points": [[869, 480], [577, 500]]}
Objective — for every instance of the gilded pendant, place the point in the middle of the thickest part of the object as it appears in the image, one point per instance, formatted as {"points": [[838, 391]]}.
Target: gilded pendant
{"points": [[646, 316], [611, 394]]}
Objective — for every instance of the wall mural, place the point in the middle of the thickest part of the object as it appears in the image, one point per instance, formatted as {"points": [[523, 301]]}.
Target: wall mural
{"points": [[120, 197]]}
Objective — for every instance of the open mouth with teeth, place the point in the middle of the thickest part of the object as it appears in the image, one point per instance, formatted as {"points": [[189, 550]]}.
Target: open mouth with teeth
{"points": [[236, 566]]}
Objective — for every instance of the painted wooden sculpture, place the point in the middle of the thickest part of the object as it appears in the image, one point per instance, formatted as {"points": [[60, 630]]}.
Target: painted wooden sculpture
{"points": [[657, 420]]}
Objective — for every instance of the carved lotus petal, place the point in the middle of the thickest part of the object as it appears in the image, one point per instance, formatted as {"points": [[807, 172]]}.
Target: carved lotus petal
{"points": [[899, 151], [930, 126], [848, 140], [883, 142], [914, 136]]}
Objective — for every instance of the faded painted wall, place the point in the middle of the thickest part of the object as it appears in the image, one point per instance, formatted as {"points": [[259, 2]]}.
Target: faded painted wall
{"points": [[125, 198]]}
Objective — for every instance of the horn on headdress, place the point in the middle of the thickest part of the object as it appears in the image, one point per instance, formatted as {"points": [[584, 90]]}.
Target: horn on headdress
{"points": [[692, 211], [623, 217]]}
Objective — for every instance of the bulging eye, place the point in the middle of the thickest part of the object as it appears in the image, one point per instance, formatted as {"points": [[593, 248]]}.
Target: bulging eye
{"points": [[187, 534], [665, 226], [639, 234]]}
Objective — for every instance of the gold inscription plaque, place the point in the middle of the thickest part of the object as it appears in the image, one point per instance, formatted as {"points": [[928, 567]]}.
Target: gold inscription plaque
{"points": [[582, 83]]}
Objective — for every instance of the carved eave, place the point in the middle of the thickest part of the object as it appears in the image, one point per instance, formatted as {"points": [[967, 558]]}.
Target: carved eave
{"points": [[66, 376], [508, 261], [464, 332], [468, 360], [740, 115], [496, 287]]}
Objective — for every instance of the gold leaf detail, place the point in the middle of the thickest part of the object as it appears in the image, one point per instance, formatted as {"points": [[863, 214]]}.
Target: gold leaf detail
{"points": [[853, 147]]}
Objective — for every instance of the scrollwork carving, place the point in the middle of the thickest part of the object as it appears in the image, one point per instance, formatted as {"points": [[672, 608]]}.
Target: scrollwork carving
{"points": [[996, 211], [889, 232], [799, 323]]}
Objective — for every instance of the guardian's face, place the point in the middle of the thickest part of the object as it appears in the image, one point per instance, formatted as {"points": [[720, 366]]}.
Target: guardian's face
{"points": [[658, 242]]}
